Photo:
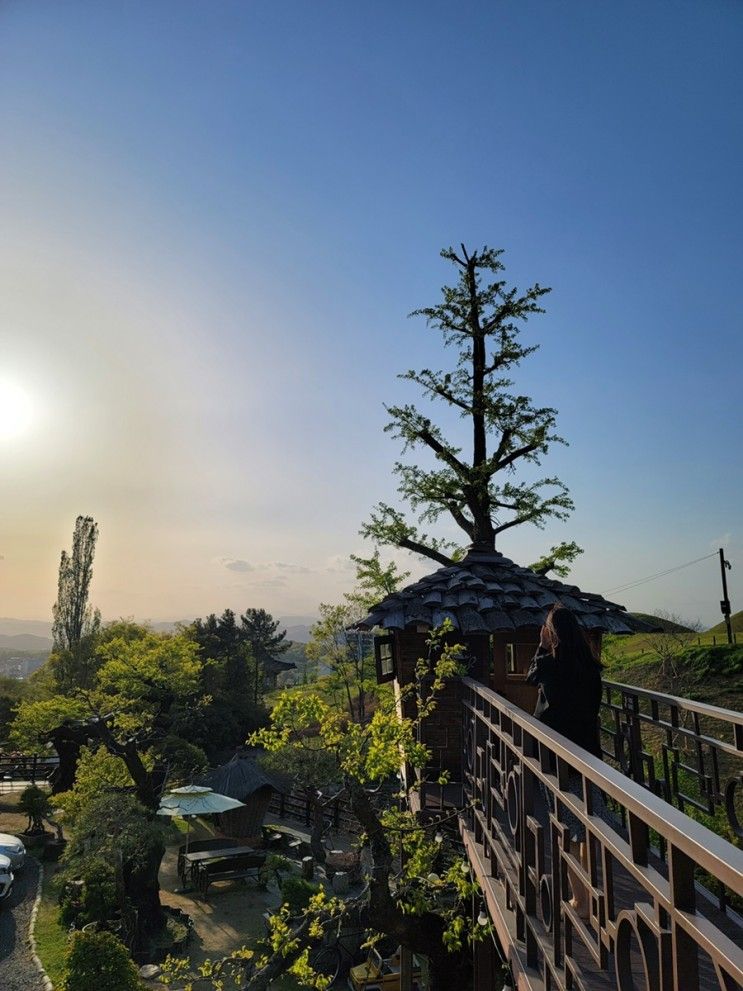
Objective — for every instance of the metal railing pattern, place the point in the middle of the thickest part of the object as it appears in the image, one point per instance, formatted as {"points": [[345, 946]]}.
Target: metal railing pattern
{"points": [[689, 753], [651, 925]]}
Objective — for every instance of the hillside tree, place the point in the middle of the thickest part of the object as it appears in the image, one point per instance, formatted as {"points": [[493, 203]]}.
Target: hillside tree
{"points": [[74, 621], [479, 317], [262, 633]]}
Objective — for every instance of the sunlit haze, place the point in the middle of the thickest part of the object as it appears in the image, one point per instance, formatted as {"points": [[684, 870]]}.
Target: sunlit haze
{"points": [[16, 411], [216, 218]]}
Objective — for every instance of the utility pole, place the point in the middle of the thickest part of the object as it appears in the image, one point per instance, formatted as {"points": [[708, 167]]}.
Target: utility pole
{"points": [[725, 604]]}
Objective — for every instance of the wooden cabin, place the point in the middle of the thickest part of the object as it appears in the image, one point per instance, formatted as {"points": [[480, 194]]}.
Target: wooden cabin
{"points": [[241, 778], [497, 609]]}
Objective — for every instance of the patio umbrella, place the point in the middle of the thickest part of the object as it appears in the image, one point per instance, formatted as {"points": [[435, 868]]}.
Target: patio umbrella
{"points": [[194, 800]]}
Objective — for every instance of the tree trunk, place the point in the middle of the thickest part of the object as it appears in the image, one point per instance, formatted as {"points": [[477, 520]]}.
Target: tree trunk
{"points": [[142, 888], [318, 827]]}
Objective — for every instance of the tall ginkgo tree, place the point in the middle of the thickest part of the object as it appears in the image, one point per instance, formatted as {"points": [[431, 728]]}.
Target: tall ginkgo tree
{"points": [[481, 318]]}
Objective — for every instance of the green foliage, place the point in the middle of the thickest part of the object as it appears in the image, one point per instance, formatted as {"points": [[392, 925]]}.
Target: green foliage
{"points": [[75, 623], [231, 684], [307, 728], [35, 803], [703, 672], [93, 898], [12, 691], [262, 632], [374, 580], [99, 960], [104, 820], [296, 893], [149, 683], [348, 658], [184, 759], [148, 675], [302, 724], [558, 559], [479, 492], [32, 718]]}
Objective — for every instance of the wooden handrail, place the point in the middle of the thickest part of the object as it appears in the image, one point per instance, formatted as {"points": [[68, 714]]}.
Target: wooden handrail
{"points": [[657, 881], [706, 848]]}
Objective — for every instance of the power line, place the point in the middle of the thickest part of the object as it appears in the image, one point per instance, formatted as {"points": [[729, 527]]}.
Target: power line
{"points": [[660, 574]]}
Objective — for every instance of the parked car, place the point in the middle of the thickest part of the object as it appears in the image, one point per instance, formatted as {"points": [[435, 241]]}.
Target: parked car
{"points": [[380, 973], [12, 848], [6, 878]]}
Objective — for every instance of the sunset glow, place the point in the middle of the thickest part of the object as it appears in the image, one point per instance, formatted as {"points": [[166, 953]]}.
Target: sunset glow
{"points": [[16, 410]]}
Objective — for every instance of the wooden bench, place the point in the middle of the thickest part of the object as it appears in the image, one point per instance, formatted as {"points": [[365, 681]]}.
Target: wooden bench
{"points": [[239, 868], [216, 843]]}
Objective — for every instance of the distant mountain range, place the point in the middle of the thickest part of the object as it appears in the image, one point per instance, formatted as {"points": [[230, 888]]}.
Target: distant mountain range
{"points": [[35, 635], [25, 643]]}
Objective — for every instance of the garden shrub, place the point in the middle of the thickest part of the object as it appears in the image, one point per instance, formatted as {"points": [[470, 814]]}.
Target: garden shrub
{"points": [[95, 900], [36, 805], [96, 961], [296, 893]]}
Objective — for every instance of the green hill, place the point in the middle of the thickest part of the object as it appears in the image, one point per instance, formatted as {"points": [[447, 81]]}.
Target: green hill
{"points": [[697, 670], [737, 623], [667, 625]]}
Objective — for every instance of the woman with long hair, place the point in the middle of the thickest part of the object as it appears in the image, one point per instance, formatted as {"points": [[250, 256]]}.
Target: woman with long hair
{"points": [[569, 680]]}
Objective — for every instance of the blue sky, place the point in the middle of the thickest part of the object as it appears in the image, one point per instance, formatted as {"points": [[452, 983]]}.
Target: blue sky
{"points": [[217, 216]]}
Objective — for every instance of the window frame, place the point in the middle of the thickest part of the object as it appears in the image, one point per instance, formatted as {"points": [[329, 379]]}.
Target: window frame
{"points": [[384, 676]]}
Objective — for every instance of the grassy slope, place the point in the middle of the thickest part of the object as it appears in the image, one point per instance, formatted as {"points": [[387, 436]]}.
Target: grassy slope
{"points": [[736, 621], [704, 672], [51, 937]]}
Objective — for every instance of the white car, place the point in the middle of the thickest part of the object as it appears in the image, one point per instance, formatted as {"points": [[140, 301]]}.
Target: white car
{"points": [[6, 878], [12, 848]]}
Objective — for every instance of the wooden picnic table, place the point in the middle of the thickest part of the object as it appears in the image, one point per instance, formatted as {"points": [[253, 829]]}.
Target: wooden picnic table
{"points": [[192, 860]]}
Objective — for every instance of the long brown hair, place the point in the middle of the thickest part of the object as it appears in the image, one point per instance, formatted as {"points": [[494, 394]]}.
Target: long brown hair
{"points": [[565, 639]]}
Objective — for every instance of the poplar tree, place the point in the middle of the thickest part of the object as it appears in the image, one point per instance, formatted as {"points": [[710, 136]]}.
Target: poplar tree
{"points": [[480, 318], [72, 616]]}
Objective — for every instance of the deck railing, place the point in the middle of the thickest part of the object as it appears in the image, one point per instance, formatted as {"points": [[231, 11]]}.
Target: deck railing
{"points": [[655, 922], [689, 753]]}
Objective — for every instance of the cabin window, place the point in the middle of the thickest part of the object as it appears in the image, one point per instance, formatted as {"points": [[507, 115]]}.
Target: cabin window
{"points": [[384, 657], [510, 658]]}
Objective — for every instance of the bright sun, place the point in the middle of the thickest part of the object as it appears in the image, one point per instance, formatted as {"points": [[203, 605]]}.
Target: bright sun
{"points": [[16, 410]]}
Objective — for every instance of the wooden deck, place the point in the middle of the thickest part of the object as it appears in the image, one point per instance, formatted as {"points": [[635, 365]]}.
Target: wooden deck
{"points": [[660, 882]]}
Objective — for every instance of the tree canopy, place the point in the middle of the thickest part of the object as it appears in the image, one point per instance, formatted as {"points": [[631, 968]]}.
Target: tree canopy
{"points": [[421, 899], [480, 317]]}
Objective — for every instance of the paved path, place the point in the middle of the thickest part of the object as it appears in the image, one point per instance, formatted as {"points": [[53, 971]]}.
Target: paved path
{"points": [[17, 971]]}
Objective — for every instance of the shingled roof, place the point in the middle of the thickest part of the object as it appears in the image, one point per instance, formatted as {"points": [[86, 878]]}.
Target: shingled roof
{"points": [[238, 778], [273, 665], [486, 592]]}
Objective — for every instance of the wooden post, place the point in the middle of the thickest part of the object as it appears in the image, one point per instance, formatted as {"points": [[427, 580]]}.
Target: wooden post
{"points": [[725, 604], [406, 969]]}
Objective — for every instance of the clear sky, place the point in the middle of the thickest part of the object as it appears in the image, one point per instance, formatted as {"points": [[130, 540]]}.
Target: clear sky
{"points": [[214, 218]]}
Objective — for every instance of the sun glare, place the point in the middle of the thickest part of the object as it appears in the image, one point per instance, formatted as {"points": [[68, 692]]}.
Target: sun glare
{"points": [[16, 410]]}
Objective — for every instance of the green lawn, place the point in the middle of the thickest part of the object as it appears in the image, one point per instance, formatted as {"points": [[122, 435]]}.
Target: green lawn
{"points": [[51, 938]]}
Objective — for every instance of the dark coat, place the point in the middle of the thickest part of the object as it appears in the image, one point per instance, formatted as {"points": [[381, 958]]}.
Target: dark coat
{"points": [[569, 698]]}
